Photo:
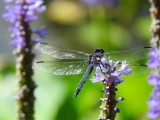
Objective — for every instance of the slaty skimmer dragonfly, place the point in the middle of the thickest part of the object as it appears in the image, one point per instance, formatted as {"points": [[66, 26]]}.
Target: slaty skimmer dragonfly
{"points": [[72, 62]]}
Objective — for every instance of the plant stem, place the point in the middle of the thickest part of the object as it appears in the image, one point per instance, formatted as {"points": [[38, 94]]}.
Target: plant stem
{"points": [[25, 85]]}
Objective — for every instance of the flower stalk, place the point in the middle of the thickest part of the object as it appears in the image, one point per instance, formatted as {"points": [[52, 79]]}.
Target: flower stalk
{"points": [[20, 13], [108, 110]]}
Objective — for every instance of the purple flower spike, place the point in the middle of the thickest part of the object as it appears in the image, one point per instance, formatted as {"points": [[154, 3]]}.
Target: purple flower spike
{"points": [[154, 62], [110, 75], [20, 14]]}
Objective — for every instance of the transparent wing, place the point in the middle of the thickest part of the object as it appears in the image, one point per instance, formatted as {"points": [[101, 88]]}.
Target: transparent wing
{"points": [[139, 70], [61, 67], [129, 55], [60, 53]]}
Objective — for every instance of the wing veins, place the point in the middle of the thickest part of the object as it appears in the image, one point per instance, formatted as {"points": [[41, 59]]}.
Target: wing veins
{"points": [[61, 67], [59, 52], [129, 55]]}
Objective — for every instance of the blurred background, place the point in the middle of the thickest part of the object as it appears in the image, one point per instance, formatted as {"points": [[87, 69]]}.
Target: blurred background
{"points": [[82, 25]]}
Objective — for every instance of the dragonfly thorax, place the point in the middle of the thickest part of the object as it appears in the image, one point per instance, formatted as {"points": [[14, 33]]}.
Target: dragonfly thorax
{"points": [[95, 57]]}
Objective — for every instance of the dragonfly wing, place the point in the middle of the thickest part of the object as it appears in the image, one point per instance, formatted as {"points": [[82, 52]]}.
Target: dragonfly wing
{"points": [[61, 67], [139, 70], [129, 55], [60, 53]]}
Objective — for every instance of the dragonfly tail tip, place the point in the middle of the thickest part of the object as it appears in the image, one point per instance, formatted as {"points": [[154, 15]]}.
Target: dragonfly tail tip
{"points": [[74, 96]]}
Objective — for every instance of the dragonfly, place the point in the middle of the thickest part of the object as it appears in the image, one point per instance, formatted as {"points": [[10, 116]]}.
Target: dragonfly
{"points": [[73, 62]]}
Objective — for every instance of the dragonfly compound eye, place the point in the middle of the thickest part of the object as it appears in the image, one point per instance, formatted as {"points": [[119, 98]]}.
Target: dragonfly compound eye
{"points": [[99, 50]]}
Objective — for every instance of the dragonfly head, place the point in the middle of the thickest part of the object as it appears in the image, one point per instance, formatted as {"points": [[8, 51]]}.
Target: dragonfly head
{"points": [[99, 50]]}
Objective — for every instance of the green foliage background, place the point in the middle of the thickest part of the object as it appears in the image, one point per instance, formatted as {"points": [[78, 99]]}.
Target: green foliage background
{"points": [[83, 28]]}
